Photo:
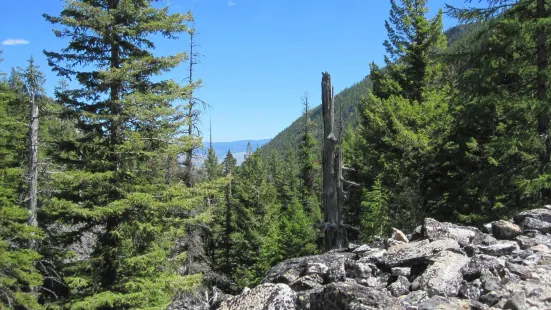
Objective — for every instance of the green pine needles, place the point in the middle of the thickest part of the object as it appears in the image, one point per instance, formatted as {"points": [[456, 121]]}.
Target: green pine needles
{"points": [[128, 123]]}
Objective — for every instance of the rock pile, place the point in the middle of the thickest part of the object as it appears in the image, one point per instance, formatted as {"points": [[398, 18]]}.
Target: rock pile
{"points": [[443, 266]]}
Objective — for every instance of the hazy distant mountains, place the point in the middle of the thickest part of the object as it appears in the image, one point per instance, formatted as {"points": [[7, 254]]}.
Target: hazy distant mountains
{"points": [[238, 149]]}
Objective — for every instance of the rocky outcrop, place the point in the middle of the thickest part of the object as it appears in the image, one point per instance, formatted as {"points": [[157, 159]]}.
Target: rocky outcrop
{"points": [[443, 266], [266, 296]]}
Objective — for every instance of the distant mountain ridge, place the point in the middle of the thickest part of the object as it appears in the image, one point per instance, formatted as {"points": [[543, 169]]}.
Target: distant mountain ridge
{"points": [[238, 149]]}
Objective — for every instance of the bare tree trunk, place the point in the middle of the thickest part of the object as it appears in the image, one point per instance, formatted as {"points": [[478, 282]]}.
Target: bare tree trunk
{"points": [[33, 162], [340, 196], [333, 239], [188, 163], [541, 92]]}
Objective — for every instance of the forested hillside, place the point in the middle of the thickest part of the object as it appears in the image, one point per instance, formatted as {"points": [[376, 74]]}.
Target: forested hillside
{"points": [[346, 103], [103, 205]]}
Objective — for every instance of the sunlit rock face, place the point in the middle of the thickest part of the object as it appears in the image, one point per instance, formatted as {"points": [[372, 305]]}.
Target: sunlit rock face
{"points": [[447, 266]]}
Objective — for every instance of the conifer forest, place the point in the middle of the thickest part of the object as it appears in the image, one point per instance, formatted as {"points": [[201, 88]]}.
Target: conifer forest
{"points": [[103, 205]]}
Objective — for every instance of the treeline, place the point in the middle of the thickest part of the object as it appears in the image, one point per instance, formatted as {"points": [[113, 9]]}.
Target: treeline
{"points": [[461, 133]]}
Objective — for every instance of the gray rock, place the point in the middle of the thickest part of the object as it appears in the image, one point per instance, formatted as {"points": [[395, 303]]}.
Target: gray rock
{"points": [[371, 282], [524, 272], [502, 274], [392, 242], [445, 303], [303, 298], [443, 277], [491, 298], [401, 271], [285, 272], [358, 270], [352, 296], [526, 242], [505, 230], [328, 266], [481, 262], [399, 287], [533, 259], [538, 214], [416, 234], [471, 250], [536, 224], [189, 301], [531, 233], [415, 298], [483, 239], [315, 268], [490, 282], [499, 249], [307, 283], [372, 256], [543, 239], [266, 296], [352, 246], [509, 277], [417, 252], [471, 290], [517, 301], [362, 249], [538, 295], [434, 230]]}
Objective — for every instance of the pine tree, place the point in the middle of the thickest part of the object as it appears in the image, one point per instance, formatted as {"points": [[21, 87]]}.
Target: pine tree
{"points": [[127, 124], [213, 168], [256, 198], [34, 79], [412, 42], [375, 218], [18, 276], [306, 151], [193, 110], [403, 120], [501, 137], [229, 165], [309, 166]]}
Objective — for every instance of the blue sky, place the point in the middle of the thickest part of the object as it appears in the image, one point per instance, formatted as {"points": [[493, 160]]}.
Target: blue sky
{"points": [[259, 56]]}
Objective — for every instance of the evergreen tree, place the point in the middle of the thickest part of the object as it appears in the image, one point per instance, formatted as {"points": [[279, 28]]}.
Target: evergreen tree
{"points": [[126, 125], [18, 276], [34, 79], [229, 165], [412, 42], [256, 199], [501, 133], [309, 166], [213, 168], [403, 122]]}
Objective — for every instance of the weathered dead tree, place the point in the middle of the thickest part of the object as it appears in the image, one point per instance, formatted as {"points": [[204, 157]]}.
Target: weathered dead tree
{"points": [[194, 108], [334, 195], [332, 216], [34, 80]]}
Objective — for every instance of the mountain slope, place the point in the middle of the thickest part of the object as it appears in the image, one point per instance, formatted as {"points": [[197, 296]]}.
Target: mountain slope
{"points": [[345, 106]]}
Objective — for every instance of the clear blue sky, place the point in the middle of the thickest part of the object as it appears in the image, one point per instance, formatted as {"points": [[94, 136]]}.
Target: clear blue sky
{"points": [[259, 56]]}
